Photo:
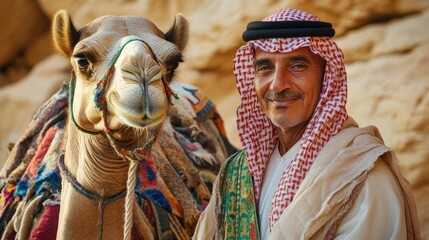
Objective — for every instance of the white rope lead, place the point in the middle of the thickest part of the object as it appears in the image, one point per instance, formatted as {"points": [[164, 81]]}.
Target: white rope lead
{"points": [[129, 199]]}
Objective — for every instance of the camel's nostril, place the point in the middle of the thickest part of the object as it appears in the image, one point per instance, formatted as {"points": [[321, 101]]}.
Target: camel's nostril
{"points": [[130, 73]]}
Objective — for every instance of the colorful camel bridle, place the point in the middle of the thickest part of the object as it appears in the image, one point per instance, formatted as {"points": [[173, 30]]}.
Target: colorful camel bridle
{"points": [[138, 153]]}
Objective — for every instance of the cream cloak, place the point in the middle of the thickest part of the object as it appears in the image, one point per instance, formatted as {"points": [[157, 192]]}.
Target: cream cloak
{"points": [[330, 188]]}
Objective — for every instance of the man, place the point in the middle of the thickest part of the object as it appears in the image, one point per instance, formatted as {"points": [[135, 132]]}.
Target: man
{"points": [[307, 170]]}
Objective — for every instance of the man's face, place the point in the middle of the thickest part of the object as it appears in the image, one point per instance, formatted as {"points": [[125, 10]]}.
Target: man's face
{"points": [[288, 85]]}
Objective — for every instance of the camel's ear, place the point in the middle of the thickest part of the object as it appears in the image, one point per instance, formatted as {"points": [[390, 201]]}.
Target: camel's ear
{"points": [[64, 33], [178, 34]]}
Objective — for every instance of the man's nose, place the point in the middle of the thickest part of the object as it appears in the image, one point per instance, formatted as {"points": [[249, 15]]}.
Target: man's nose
{"points": [[281, 80]]}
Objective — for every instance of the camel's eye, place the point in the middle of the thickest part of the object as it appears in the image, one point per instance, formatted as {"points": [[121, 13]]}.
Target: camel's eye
{"points": [[82, 62], [174, 66], [84, 66], [171, 70]]}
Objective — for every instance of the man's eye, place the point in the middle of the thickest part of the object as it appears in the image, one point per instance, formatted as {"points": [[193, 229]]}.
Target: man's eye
{"points": [[82, 62], [298, 66], [262, 68]]}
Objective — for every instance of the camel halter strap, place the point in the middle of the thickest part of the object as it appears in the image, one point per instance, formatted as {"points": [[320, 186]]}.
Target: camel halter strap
{"points": [[101, 104], [102, 201], [134, 155]]}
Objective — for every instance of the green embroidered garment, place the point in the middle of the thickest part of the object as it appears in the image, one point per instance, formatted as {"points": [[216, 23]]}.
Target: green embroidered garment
{"points": [[239, 217]]}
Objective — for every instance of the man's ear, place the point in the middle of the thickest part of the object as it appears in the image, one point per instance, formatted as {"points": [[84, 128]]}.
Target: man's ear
{"points": [[178, 34], [64, 34]]}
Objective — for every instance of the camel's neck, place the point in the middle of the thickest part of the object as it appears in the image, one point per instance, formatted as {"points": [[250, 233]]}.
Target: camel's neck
{"points": [[94, 164]]}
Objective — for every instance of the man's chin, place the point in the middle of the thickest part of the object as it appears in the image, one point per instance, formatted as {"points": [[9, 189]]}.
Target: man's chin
{"points": [[284, 122]]}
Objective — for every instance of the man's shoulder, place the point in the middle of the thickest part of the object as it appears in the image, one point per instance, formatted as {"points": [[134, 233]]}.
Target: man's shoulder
{"points": [[381, 173], [237, 159], [235, 164], [352, 149], [381, 202], [356, 136]]}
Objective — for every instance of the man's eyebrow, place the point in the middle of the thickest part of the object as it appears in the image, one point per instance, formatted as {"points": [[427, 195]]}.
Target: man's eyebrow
{"points": [[261, 61], [303, 58]]}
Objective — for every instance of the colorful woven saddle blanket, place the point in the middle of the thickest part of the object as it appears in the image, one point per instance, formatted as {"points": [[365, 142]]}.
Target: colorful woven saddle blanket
{"points": [[192, 148]]}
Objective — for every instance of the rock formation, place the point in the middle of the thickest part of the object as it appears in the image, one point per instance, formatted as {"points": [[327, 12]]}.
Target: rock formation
{"points": [[386, 46]]}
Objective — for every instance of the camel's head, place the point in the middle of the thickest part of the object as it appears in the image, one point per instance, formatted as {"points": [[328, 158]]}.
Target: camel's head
{"points": [[137, 59]]}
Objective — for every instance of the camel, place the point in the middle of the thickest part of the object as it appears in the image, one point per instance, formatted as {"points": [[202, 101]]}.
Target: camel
{"points": [[137, 152]]}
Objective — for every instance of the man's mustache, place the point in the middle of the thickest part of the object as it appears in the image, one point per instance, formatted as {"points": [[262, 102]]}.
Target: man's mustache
{"points": [[271, 95]]}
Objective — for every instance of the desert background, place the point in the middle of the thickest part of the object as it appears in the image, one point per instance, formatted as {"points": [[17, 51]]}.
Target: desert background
{"points": [[386, 46]]}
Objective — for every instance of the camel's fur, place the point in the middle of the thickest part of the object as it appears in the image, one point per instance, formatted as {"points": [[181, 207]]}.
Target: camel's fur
{"points": [[135, 90]]}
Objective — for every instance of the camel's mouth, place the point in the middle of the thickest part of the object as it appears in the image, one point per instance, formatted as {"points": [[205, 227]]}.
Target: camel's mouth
{"points": [[137, 115], [129, 137], [142, 123]]}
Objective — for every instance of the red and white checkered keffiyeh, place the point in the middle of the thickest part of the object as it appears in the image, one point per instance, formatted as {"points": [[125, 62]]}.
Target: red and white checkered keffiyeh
{"points": [[257, 133]]}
